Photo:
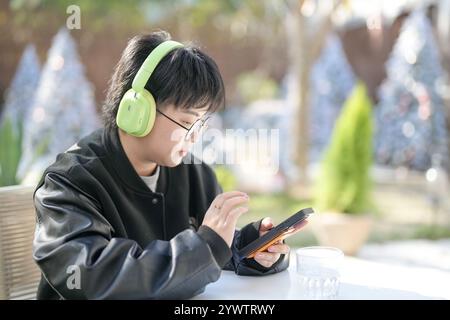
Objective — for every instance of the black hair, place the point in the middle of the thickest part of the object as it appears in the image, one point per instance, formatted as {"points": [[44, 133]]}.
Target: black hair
{"points": [[186, 77]]}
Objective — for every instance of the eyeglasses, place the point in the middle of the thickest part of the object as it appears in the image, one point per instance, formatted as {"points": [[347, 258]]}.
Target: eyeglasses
{"points": [[197, 128]]}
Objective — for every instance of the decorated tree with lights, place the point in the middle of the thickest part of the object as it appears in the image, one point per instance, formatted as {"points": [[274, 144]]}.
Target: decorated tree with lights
{"points": [[63, 111], [19, 98], [331, 82], [410, 116], [20, 94]]}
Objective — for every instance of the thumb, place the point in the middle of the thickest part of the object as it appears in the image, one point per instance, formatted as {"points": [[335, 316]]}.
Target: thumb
{"points": [[266, 224]]}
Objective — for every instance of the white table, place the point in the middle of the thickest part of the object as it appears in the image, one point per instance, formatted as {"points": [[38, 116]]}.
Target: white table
{"points": [[360, 279]]}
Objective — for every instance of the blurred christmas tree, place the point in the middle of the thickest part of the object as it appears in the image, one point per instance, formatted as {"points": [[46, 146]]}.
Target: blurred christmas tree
{"points": [[332, 80], [344, 183], [411, 121], [19, 99], [63, 111]]}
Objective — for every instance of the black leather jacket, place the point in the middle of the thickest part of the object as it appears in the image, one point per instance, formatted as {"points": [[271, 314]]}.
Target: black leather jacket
{"points": [[98, 221]]}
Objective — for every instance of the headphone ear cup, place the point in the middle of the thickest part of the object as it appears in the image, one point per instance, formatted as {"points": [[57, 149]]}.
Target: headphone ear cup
{"points": [[150, 102], [136, 113]]}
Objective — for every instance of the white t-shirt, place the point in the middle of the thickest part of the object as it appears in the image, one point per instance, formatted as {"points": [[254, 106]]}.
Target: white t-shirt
{"points": [[151, 181]]}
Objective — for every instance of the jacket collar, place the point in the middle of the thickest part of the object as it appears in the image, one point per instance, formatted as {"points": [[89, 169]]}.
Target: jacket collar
{"points": [[124, 169]]}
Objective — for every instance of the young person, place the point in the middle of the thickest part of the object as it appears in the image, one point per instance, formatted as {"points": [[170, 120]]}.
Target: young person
{"points": [[120, 215]]}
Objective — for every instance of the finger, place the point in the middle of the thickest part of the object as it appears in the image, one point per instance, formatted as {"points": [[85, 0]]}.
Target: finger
{"points": [[266, 224], [230, 203], [235, 214], [269, 257], [231, 194], [279, 248], [221, 198], [299, 226], [264, 263]]}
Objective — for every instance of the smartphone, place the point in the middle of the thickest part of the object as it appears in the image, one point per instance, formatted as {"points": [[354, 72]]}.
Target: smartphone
{"points": [[280, 232]]}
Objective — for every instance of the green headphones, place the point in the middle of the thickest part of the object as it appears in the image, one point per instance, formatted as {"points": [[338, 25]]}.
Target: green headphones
{"points": [[137, 109]]}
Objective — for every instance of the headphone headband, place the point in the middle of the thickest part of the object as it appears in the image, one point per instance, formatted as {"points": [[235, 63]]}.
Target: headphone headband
{"points": [[150, 63]]}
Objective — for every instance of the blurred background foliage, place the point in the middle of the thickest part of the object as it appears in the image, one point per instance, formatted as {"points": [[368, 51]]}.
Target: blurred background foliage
{"points": [[232, 31]]}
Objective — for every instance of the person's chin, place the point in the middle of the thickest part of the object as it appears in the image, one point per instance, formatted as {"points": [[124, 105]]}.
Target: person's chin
{"points": [[175, 160]]}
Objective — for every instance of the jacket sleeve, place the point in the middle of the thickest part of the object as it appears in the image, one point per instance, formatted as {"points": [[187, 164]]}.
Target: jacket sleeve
{"points": [[72, 237], [249, 267], [242, 237]]}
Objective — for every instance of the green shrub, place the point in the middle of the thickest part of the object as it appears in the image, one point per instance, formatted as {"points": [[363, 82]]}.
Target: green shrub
{"points": [[344, 183], [10, 152]]}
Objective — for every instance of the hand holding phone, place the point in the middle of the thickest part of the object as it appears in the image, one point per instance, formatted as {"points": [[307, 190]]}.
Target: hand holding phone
{"points": [[285, 229]]}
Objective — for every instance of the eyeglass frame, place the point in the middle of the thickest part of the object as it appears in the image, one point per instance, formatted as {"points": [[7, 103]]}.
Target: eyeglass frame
{"points": [[202, 126]]}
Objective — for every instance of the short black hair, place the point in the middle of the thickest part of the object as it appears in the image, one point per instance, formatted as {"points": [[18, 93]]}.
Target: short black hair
{"points": [[186, 77]]}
